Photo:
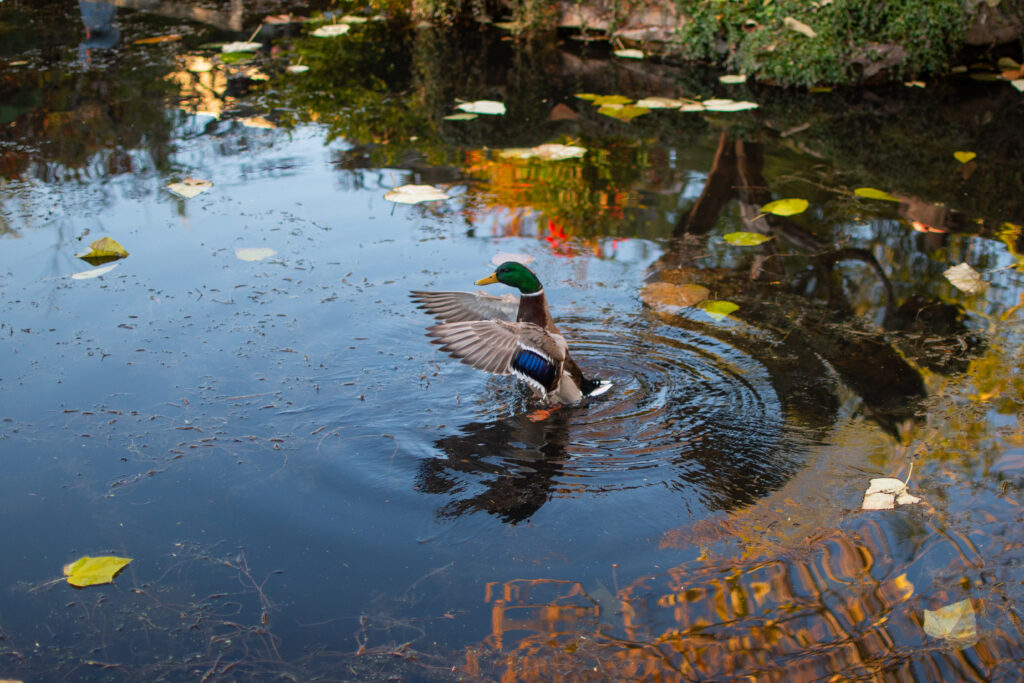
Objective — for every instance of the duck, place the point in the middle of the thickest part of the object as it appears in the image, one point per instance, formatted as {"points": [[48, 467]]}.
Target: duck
{"points": [[509, 335]]}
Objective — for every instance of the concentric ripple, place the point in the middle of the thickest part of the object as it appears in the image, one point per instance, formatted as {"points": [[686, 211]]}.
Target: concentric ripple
{"points": [[688, 412]]}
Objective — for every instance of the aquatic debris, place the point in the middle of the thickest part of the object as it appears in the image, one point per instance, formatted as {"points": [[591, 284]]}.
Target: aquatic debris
{"points": [[331, 31], [552, 151], [95, 272], [169, 38], [964, 157], [668, 297], [297, 69], [718, 310], [622, 112], [92, 571], [628, 53], [956, 623], [872, 193], [488, 107], [414, 194], [885, 493], [189, 187], [733, 79], [254, 253], [965, 278], [746, 239], [241, 46], [103, 250], [460, 116], [785, 207]]}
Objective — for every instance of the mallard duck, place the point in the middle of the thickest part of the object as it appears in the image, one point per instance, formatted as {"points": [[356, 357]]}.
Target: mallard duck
{"points": [[504, 335]]}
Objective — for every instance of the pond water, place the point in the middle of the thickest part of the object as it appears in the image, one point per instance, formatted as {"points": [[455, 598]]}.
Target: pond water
{"points": [[309, 489]]}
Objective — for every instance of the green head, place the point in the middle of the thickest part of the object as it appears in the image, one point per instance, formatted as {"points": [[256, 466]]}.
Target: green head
{"points": [[514, 275]]}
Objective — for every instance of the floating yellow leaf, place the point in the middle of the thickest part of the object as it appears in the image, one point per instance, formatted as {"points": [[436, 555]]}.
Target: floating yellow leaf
{"points": [[964, 157], [90, 571], [955, 623], [158, 39], [872, 193], [820, 88], [745, 239], [623, 112], [552, 151], [602, 100], [103, 250], [785, 207], [718, 310], [588, 96]]}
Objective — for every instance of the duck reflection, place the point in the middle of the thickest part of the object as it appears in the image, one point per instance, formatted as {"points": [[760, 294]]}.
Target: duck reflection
{"points": [[506, 468]]}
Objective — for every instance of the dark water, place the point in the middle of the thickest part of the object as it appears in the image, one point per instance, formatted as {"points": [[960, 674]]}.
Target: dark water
{"points": [[309, 489]]}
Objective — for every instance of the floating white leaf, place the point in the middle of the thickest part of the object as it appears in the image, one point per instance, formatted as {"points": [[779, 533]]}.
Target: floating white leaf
{"points": [[95, 272], [729, 105], [1018, 84], [732, 79], [629, 54], [885, 493], [414, 194], [660, 103], [955, 623], [965, 278], [489, 107], [189, 187], [461, 116], [331, 31], [240, 47], [254, 253], [552, 151], [297, 69]]}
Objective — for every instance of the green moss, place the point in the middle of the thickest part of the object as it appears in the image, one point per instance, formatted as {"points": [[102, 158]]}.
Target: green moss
{"points": [[854, 37]]}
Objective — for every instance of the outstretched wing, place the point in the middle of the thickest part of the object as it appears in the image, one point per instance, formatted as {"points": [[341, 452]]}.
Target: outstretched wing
{"points": [[522, 349], [453, 307]]}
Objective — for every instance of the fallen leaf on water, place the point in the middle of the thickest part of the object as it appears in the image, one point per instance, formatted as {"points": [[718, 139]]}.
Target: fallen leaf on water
{"points": [[965, 278], [955, 623], [331, 31], [885, 493], [799, 26], [915, 84], [589, 96], [872, 193], [623, 112], [659, 103], [785, 207], [461, 116], [254, 253], [235, 57], [668, 297], [964, 157], [732, 79], [718, 310], [95, 272], [489, 107], [91, 571], [352, 19], [242, 46], [503, 256], [721, 105], [256, 122], [1008, 63], [103, 250], [414, 194], [547, 152], [297, 69], [820, 88], [170, 38], [189, 187], [745, 239], [629, 53], [602, 100]]}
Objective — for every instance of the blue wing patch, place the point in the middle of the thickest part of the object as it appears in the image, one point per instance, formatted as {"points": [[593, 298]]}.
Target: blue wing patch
{"points": [[535, 366]]}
